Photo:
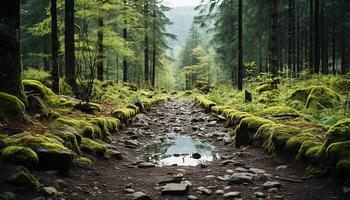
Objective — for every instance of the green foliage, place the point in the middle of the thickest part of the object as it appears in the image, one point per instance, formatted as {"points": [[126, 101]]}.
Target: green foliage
{"points": [[36, 74], [93, 147], [19, 156]]}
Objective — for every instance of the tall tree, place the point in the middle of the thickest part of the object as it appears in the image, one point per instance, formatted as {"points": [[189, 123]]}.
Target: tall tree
{"points": [[240, 46], [311, 31], [291, 36], [69, 48], [125, 61], [146, 45], [273, 42], [317, 37], [10, 57], [54, 49], [100, 53]]}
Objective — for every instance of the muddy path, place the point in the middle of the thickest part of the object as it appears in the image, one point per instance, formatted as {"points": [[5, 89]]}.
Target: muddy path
{"points": [[245, 173]]}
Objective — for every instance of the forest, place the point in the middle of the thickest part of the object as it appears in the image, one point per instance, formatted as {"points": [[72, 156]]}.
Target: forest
{"points": [[141, 99]]}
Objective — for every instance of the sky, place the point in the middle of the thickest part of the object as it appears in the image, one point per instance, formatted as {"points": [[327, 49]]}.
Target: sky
{"points": [[179, 3]]}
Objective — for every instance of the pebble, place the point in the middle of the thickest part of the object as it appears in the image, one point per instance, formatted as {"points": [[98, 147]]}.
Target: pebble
{"points": [[281, 167], [271, 184], [256, 171], [129, 190], [259, 195], [175, 189], [232, 195], [146, 165], [239, 178], [50, 191], [241, 169], [191, 197], [140, 196], [205, 191], [219, 192]]}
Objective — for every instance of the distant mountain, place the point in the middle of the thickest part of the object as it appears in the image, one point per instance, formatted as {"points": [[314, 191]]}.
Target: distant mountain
{"points": [[182, 18]]}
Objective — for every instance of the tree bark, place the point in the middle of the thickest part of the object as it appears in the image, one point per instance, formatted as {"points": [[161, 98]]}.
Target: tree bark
{"points": [[273, 43], [334, 46], [69, 48], [240, 46], [100, 53], [10, 56], [125, 62], [154, 53], [146, 46], [291, 37], [317, 38], [54, 49], [311, 31]]}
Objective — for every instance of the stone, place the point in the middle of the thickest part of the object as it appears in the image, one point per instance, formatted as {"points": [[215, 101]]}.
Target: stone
{"points": [[241, 169], [256, 171], [115, 154], [273, 190], [140, 196], [271, 184], [281, 167], [227, 187], [239, 178], [49, 191], [23, 178], [55, 160], [177, 189], [232, 195], [196, 156], [146, 165], [61, 183], [205, 191], [209, 176], [259, 195], [129, 190], [132, 143], [220, 192], [230, 171], [191, 197]]}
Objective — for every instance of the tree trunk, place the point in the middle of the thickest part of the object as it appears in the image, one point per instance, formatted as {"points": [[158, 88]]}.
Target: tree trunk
{"points": [[291, 37], [298, 53], [46, 61], [240, 46], [311, 31], [54, 49], [146, 46], [334, 50], [10, 56], [273, 43], [317, 38], [154, 53], [342, 52], [69, 48], [100, 53]]}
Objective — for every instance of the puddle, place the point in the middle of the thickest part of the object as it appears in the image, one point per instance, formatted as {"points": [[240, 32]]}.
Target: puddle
{"points": [[178, 151]]}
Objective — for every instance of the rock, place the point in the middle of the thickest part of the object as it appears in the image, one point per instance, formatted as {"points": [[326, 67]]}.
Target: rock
{"points": [[256, 171], [177, 129], [346, 190], [52, 160], [83, 162], [129, 190], [271, 184], [232, 195], [281, 167], [61, 183], [140, 196], [191, 197], [49, 191], [7, 196], [205, 191], [196, 156], [131, 143], [23, 178], [259, 195], [115, 154], [278, 197], [146, 165], [219, 192], [239, 178], [227, 187], [19, 156], [209, 176], [175, 189], [241, 169], [273, 190], [230, 171]]}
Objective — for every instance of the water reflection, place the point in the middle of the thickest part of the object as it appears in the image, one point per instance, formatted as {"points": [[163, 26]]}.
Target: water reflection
{"points": [[179, 151]]}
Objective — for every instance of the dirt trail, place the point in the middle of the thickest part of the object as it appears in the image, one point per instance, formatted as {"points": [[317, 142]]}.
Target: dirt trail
{"points": [[119, 179]]}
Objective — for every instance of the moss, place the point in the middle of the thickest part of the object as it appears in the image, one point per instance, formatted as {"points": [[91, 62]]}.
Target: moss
{"points": [[69, 139], [92, 147], [279, 111], [88, 107], [37, 105], [83, 162], [265, 87], [84, 127], [235, 118], [220, 109], [11, 108], [108, 126], [342, 169], [273, 137], [343, 85], [338, 157], [19, 156], [23, 178], [36, 87], [301, 94], [295, 142], [124, 114], [136, 108], [247, 129], [305, 147], [207, 104], [322, 97]]}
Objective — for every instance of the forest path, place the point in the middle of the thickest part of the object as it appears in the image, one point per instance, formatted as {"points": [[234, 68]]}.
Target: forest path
{"points": [[248, 169]]}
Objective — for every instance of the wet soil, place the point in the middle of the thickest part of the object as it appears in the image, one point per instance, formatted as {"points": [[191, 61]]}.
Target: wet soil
{"points": [[110, 178]]}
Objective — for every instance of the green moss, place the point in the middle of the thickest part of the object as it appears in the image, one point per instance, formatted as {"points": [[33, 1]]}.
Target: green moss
{"points": [[295, 142], [23, 178], [36, 87], [37, 105], [247, 129], [83, 162], [280, 110], [69, 139], [265, 87], [235, 118], [92, 147], [342, 168], [273, 137], [124, 114], [19, 156], [11, 108], [219, 109], [108, 126], [207, 104], [322, 97], [301, 94], [343, 85], [88, 107], [136, 108]]}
